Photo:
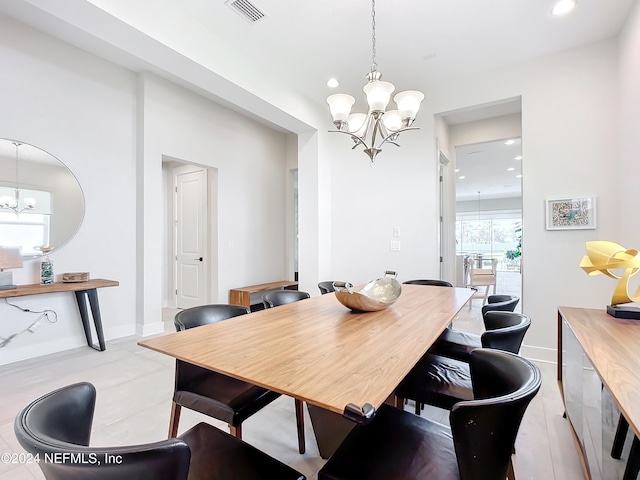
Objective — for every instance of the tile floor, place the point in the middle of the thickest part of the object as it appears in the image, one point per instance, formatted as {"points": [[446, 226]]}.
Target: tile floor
{"points": [[134, 394]]}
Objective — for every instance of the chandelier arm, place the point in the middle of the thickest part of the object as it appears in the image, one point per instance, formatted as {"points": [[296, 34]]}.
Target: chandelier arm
{"points": [[355, 138], [389, 137]]}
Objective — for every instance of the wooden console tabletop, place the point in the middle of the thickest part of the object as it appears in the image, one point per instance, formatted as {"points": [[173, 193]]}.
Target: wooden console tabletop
{"points": [[84, 291], [37, 289]]}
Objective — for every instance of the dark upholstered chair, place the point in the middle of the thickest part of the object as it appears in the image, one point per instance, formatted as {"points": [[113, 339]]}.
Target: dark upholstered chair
{"points": [[435, 283], [503, 331], [57, 427], [282, 297], [399, 445], [275, 299], [500, 303], [442, 381], [212, 393], [326, 287]]}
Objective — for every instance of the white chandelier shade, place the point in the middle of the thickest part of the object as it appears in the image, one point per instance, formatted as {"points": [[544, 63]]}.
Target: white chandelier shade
{"points": [[408, 103], [340, 105]]}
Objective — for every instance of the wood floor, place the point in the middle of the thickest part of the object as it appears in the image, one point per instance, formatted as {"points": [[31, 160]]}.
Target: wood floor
{"points": [[134, 394]]}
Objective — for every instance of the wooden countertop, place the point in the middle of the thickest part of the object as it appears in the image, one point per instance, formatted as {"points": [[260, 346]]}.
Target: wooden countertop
{"points": [[317, 350], [37, 289], [613, 346]]}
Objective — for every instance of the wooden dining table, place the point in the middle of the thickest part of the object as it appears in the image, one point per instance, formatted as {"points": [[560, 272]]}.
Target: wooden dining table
{"points": [[318, 351]]}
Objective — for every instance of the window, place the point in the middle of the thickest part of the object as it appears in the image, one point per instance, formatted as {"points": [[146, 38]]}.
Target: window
{"points": [[490, 235], [30, 228]]}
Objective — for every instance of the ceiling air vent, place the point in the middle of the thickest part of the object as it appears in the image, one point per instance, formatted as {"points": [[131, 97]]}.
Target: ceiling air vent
{"points": [[246, 9]]}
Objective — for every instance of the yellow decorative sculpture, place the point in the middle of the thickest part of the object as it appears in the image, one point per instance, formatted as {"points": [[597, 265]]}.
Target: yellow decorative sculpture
{"points": [[603, 257]]}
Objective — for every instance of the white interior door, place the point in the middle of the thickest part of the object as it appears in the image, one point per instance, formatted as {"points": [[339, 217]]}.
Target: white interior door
{"points": [[191, 236]]}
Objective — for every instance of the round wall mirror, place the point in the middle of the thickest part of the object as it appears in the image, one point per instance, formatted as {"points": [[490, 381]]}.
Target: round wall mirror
{"points": [[41, 202]]}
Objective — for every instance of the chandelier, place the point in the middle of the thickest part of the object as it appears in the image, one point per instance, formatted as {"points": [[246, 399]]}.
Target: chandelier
{"points": [[15, 203], [374, 129]]}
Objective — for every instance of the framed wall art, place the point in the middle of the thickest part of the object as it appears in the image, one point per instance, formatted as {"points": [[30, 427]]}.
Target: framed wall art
{"points": [[571, 213]]}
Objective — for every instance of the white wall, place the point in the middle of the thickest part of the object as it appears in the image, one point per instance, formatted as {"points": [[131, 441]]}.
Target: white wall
{"points": [[80, 109], [250, 160], [569, 138], [83, 110], [628, 161], [368, 203]]}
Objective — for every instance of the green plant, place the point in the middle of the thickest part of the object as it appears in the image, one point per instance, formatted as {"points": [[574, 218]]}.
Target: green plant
{"points": [[514, 253]]}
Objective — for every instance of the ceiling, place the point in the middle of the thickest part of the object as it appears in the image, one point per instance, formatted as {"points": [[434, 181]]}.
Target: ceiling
{"points": [[489, 169], [419, 43]]}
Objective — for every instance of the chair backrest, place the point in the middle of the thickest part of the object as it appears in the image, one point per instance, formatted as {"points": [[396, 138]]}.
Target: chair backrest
{"points": [[499, 298], [504, 330], [282, 297], [481, 276], [57, 427], [502, 306], [206, 314], [484, 430], [326, 287], [435, 283]]}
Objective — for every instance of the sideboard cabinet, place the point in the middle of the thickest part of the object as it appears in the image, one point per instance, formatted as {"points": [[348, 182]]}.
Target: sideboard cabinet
{"points": [[599, 379]]}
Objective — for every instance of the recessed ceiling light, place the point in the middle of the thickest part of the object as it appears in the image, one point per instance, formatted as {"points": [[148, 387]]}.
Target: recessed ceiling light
{"points": [[462, 177], [518, 176], [510, 142], [563, 7], [519, 157], [332, 83], [510, 169], [457, 170]]}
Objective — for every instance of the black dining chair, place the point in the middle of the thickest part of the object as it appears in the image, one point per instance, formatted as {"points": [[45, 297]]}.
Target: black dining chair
{"points": [[500, 303], [396, 444], [503, 330], [57, 428], [276, 298], [434, 283], [212, 393], [442, 381], [326, 287]]}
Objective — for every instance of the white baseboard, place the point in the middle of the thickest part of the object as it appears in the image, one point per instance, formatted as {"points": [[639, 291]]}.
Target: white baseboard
{"points": [[119, 332], [150, 329], [39, 349], [539, 354], [61, 345]]}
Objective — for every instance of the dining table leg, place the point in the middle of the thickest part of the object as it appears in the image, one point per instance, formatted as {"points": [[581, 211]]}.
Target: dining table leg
{"points": [[329, 428]]}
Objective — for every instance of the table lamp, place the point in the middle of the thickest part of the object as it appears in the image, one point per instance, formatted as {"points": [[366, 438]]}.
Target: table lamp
{"points": [[604, 257], [10, 257]]}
